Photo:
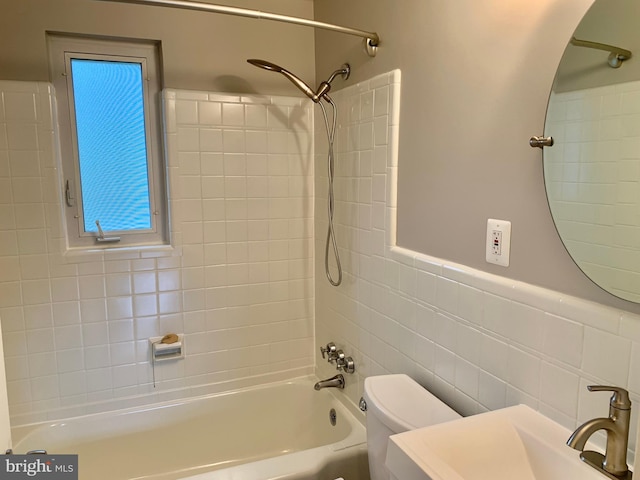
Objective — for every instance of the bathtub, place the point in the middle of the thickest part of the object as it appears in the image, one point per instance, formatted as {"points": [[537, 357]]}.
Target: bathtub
{"points": [[281, 430]]}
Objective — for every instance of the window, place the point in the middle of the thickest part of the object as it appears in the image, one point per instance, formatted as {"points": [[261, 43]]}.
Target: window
{"points": [[108, 94]]}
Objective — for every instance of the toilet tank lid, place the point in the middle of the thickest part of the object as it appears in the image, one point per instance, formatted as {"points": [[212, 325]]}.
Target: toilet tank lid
{"points": [[402, 404]]}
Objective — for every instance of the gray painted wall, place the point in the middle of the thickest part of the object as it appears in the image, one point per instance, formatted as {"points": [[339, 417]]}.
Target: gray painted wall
{"points": [[201, 51], [476, 76]]}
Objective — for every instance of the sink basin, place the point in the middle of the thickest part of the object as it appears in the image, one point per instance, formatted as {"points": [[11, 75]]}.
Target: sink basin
{"points": [[507, 444]]}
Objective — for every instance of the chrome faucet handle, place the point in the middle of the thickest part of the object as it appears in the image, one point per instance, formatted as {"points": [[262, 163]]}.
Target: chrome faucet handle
{"points": [[330, 350], [346, 364], [620, 398]]}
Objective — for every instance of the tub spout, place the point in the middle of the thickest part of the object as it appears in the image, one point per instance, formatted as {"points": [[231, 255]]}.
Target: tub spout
{"points": [[337, 382]]}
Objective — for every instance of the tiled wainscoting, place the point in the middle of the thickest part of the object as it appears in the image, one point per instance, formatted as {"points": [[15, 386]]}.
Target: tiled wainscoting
{"points": [[238, 280], [478, 341]]}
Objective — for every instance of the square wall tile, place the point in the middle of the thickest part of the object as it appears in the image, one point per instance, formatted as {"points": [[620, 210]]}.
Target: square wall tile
{"points": [[606, 356]]}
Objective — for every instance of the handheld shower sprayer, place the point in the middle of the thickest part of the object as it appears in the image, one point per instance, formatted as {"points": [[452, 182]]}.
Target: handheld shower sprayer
{"points": [[324, 87], [321, 93]]}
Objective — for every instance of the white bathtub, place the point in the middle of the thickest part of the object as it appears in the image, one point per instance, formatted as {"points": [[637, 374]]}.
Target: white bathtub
{"points": [[281, 430]]}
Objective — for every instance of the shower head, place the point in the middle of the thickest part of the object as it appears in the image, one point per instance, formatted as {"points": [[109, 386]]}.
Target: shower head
{"points": [[306, 89], [324, 87], [266, 65], [323, 91]]}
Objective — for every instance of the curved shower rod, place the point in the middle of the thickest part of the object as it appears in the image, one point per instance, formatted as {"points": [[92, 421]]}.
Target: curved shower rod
{"points": [[371, 39]]}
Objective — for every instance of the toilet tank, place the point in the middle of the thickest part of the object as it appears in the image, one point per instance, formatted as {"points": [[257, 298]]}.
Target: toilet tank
{"points": [[395, 404]]}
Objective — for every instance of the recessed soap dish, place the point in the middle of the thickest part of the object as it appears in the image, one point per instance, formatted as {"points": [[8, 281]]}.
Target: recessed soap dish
{"points": [[167, 347]]}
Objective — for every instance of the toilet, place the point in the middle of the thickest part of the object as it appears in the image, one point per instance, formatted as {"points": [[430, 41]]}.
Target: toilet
{"points": [[395, 404]]}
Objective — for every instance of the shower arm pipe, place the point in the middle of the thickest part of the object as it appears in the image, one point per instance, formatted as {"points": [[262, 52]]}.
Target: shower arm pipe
{"points": [[371, 39], [617, 55]]}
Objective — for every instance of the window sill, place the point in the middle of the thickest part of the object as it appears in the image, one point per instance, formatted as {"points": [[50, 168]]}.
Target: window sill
{"points": [[131, 251]]}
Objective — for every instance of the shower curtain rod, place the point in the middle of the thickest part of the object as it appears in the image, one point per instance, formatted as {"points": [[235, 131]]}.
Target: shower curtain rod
{"points": [[616, 55], [371, 39]]}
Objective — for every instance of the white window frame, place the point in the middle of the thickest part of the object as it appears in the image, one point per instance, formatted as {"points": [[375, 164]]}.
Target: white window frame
{"points": [[62, 50]]}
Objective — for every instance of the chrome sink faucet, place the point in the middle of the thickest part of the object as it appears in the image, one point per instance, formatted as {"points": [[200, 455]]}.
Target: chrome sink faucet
{"points": [[614, 462]]}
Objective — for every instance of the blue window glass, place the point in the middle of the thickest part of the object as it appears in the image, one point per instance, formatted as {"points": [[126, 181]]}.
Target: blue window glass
{"points": [[112, 149]]}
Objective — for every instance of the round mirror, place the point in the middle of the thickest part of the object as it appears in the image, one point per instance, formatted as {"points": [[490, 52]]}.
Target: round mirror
{"points": [[592, 173]]}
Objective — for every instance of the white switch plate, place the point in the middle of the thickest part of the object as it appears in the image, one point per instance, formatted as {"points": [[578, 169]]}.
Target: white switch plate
{"points": [[498, 242]]}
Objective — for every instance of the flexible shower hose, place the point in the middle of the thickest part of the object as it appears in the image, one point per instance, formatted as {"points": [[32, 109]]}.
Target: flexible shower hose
{"points": [[331, 236]]}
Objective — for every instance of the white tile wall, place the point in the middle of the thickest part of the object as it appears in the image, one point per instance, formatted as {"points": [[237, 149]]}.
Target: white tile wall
{"points": [[237, 282], [478, 341], [592, 173]]}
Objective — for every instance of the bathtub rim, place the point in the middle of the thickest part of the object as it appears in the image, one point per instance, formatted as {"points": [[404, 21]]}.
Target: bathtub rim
{"points": [[290, 466]]}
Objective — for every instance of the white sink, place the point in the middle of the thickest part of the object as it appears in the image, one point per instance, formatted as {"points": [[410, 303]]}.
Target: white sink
{"points": [[507, 444]]}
